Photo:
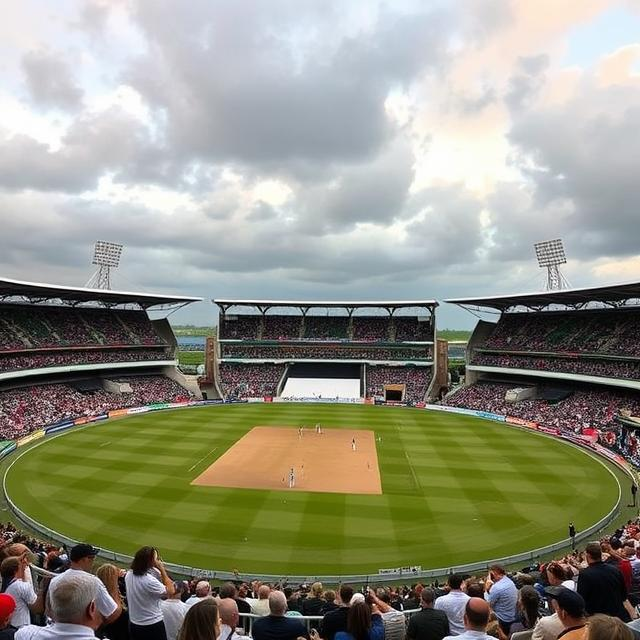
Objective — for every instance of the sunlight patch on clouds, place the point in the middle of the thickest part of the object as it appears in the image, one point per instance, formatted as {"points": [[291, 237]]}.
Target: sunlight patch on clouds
{"points": [[273, 192], [165, 201]]}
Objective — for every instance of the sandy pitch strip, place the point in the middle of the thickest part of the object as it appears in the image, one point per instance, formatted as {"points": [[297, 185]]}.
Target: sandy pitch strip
{"points": [[325, 462]]}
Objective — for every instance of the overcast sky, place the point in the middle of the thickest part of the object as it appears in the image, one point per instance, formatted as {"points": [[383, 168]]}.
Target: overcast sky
{"points": [[320, 149]]}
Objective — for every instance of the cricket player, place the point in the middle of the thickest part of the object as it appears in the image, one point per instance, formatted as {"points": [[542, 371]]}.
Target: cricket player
{"points": [[318, 428], [292, 479], [353, 445]]}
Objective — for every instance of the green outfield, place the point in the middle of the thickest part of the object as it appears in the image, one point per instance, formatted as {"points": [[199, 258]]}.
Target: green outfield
{"points": [[455, 490]]}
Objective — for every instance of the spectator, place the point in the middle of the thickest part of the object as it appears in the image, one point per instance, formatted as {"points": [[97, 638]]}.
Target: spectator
{"points": [[335, 621], [312, 605], [453, 604], [203, 590], [476, 619], [557, 576], [147, 582], [82, 557], [430, 623], [261, 605], [601, 627], [110, 576], [502, 594], [329, 602], [173, 611], [20, 589], [276, 626], [229, 620], [201, 622], [363, 623], [7, 607], [529, 609], [73, 609], [602, 586], [570, 607]]}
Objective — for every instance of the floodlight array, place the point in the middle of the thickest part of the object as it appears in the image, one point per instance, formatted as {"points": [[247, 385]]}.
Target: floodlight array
{"points": [[550, 253], [107, 254]]}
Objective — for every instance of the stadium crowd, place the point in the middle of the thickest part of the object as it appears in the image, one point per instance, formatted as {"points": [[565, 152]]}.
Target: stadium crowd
{"points": [[38, 327], [328, 351], [588, 594], [582, 409], [249, 380], [27, 409], [319, 328], [415, 379], [621, 369], [56, 358], [603, 331]]}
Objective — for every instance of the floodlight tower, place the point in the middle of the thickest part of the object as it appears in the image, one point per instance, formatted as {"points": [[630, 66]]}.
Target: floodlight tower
{"points": [[107, 256], [550, 254]]}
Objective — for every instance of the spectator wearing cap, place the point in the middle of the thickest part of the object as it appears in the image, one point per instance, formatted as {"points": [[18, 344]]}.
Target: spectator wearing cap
{"points": [[82, 557], [502, 595], [7, 607], [72, 606], [602, 586], [570, 607], [147, 582], [336, 620], [19, 587], [428, 623], [476, 619], [453, 604]]}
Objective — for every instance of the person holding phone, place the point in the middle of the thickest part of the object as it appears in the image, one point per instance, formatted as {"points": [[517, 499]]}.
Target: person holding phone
{"points": [[502, 595], [147, 582]]}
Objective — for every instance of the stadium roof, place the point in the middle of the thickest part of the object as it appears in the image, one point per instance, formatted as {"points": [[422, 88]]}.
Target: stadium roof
{"points": [[263, 305], [34, 292], [614, 295]]}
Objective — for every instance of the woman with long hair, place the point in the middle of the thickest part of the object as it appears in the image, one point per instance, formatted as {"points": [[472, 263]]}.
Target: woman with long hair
{"points": [[17, 584], [146, 583], [109, 574], [363, 623], [202, 622], [529, 609]]}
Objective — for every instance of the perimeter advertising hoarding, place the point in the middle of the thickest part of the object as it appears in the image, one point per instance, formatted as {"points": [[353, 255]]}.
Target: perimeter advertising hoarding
{"points": [[6, 447], [36, 435], [522, 423]]}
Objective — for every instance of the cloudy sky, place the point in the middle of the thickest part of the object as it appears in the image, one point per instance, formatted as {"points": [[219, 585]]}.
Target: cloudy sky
{"points": [[320, 149]]}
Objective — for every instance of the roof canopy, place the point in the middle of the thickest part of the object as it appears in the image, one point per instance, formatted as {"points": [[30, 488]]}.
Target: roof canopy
{"points": [[34, 292], [304, 306], [615, 295]]}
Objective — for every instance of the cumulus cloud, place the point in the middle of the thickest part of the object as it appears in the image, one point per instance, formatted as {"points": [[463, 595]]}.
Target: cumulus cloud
{"points": [[50, 82]]}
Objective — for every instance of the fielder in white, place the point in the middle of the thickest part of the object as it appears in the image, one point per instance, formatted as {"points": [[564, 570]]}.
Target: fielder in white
{"points": [[292, 479], [353, 445]]}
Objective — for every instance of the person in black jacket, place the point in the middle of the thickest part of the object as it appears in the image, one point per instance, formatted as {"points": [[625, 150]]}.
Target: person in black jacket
{"points": [[602, 586], [336, 620]]}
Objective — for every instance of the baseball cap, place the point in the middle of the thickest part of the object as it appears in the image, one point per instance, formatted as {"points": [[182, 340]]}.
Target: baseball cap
{"points": [[82, 551], [7, 605], [568, 600]]}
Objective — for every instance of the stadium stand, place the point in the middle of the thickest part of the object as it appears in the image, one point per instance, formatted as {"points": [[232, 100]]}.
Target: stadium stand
{"points": [[269, 344], [91, 351], [582, 334]]}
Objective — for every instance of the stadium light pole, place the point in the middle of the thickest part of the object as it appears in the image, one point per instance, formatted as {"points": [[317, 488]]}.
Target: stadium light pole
{"points": [[550, 255], [106, 255]]}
